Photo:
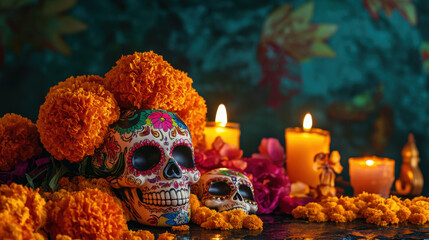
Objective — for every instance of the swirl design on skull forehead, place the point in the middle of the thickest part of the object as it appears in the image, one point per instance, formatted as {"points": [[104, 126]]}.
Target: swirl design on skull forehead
{"points": [[138, 145], [227, 172], [133, 120]]}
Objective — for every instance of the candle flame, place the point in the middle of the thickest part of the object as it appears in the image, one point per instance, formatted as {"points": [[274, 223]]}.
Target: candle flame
{"points": [[221, 117], [308, 122], [369, 162]]}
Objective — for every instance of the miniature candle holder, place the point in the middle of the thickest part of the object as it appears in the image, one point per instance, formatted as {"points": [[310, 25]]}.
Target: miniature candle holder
{"points": [[372, 175]]}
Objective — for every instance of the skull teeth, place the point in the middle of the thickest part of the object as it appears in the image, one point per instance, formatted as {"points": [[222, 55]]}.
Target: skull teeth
{"points": [[164, 198]]}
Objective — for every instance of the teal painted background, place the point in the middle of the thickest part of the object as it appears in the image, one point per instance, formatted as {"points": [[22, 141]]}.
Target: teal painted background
{"points": [[217, 44]]}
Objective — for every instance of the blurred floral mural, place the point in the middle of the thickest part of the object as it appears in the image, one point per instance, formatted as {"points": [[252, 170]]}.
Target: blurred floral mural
{"points": [[360, 67]]}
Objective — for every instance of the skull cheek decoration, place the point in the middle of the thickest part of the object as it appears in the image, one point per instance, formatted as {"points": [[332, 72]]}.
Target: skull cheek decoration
{"points": [[148, 156], [224, 189]]}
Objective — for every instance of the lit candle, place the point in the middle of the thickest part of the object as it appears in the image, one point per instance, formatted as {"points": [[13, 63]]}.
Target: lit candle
{"points": [[228, 131], [302, 144], [372, 175]]}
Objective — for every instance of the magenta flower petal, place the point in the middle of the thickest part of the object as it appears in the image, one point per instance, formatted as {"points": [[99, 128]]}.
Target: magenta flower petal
{"points": [[276, 151]]}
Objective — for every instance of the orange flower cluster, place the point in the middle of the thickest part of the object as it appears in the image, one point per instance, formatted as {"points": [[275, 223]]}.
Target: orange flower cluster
{"points": [[373, 208], [79, 183], [87, 214], [194, 115], [145, 80], [19, 140], [211, 219], [75, 117], [22, 212]]}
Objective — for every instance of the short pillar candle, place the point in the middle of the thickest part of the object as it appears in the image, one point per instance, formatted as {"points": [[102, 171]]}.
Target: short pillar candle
{"points": [[302, 144], [372, 174]]}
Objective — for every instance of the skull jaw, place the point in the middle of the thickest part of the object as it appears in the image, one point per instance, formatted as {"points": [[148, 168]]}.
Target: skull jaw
{"points": [[227, 205], [161, 215]]}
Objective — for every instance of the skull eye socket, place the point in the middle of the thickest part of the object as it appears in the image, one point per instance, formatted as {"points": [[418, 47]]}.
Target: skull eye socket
{"points": [[220, 189], [246, 192], [146, 158], [183, 155]]}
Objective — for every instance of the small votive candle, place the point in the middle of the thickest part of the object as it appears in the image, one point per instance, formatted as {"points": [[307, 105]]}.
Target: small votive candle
{"points": [[228, 131], [372, 175]]}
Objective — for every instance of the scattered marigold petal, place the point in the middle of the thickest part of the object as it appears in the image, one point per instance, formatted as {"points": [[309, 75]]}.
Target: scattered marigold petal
{"points": [[138, 235], [180, 228], [167, 236]]}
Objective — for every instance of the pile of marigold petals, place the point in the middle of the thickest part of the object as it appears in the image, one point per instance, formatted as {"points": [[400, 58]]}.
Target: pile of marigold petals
{"points": [[227, 220], [84, 212], [371, 207]]}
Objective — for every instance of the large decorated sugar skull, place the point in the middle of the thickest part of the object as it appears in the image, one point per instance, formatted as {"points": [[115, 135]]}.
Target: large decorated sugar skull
{"points": [[224, 189], [148, 156]]}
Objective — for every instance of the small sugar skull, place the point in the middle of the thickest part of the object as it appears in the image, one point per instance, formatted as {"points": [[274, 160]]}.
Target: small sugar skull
{"points": [[224, 189], [148, 156]]}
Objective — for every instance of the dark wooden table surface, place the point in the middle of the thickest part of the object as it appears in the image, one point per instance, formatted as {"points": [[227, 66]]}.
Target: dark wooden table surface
{"points": [[286, 227]]}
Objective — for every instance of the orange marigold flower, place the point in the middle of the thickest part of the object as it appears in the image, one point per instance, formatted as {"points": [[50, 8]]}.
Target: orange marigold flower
{"points": [[75, 117], [167, 236], [145, 80], [139, 235], [235, 218], [79, 183], [194, 202], [252, 222], [11, 228], [55, 196], [63, 237], [87, 214], [23, 203], [194, 115], [19, 140], [217, 221], [180, 228], [211, 219], [22, 212]]}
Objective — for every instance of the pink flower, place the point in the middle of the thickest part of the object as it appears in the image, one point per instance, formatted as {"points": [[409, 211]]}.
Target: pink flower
{"points": [[161, 120], [269, 182], [220, 155], [272, 149], [269, 188]]}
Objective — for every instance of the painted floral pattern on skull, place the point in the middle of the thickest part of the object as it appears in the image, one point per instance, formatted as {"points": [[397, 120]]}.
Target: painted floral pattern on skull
{"points": [[155, 149]]}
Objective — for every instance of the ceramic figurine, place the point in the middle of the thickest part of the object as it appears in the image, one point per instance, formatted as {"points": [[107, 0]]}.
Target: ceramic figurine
{"points": [[410, 180], [329, 164], [149, 158], [224, 189]]}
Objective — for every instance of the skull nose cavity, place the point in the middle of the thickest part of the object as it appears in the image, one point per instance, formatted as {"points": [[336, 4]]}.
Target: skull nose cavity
{"points": [[172, 170], [237, 196]]}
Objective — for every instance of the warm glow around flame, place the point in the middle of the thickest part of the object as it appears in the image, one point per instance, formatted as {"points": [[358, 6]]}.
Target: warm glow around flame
{"points": [[369, 162], [308, 122], [221, 117]]}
